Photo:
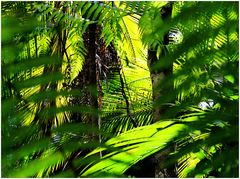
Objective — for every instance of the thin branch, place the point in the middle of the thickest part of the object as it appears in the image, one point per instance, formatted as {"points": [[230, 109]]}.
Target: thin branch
{"points": [[126, 100]]}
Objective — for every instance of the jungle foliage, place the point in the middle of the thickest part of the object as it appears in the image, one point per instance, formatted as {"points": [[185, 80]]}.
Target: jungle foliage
{"points": [[77, 88]]}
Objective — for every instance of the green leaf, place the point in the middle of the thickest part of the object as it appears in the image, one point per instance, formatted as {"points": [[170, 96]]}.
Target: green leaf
{"points": [[92, 9], [25, 151], [85, 8], [230, 78], [32, 168], [44, 79], [96, 13], [134, 145], [25, 65]]}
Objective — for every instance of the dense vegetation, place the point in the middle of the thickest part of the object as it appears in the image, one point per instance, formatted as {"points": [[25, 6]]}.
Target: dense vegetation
{"points": [[119, 89]]}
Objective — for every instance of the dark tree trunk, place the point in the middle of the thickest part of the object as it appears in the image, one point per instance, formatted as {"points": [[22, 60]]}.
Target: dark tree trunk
{"points": [[86, 81], [89, 71], [162, 87]]}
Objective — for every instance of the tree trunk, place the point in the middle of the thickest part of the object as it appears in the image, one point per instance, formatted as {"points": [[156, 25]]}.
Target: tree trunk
{"points": [[161, 88], [86, 81], [90, 75], [161, 85]]}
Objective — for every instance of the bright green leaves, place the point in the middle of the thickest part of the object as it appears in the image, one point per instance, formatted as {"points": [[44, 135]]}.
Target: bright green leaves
{"points": [[230, 78], [133, 146]]}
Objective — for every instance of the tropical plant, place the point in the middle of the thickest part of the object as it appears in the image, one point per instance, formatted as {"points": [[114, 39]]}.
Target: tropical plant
{"points": [[91, 89]]}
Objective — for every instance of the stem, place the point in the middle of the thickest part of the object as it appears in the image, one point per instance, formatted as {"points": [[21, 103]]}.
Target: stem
{"points": [[126, 100], [36, 47]]}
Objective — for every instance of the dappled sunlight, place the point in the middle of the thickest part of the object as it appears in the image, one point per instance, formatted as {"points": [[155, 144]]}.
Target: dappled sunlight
{"points": [[119, 89]]}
